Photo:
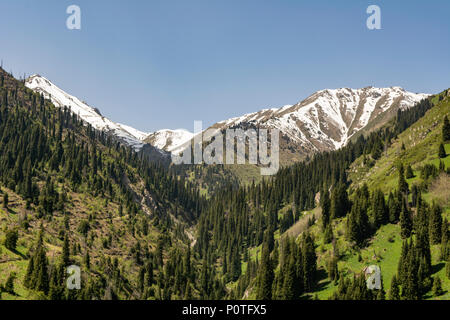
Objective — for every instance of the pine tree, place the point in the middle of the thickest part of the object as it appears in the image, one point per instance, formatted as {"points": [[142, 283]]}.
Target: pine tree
{"points": [[326, 206], [37, 272], [446, 130], [340, 203], [265, 276], [411, 287], [442, 153], [379, 209], [87, 260], [402, 184], [437, 286], [394, 292], [309, 262], [377, 149], [435, 224], [445, 242], [405, 222], [402, 270], [289, 280], [328, 235], [394, 208]]}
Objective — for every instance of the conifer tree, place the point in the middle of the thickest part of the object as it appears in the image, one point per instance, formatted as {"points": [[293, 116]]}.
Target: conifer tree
{"points": [[37, 272], [309, 262], [328, 235], [326, 206], [265, 276], [435, 224], [402, 268], [394, 292], [446, 130], [289, 280], [340, 203], [442, 153], [405, 222], [381, 214], [87, 260], [394, 208], [437, 286], [445, 243], [402, 184], [411, 287]]}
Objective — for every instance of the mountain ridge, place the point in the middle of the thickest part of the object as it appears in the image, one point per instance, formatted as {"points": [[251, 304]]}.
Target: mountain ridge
{"points": [[326, 120]]}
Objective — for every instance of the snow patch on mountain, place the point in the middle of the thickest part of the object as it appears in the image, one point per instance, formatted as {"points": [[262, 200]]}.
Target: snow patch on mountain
{"points": [[169, 140], [327, 119], [59, 98]]}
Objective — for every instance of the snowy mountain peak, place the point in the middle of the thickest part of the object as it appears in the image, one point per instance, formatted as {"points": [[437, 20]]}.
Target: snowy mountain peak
{"points": [[59, 98], [168, 139], [327, 119]]}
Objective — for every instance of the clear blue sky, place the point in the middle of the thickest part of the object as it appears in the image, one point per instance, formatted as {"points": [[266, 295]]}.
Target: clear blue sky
{"points": [[163, 64]]}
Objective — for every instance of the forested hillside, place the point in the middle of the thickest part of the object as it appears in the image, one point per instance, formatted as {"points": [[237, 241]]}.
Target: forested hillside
{"points": [[248, 232], [72, 195]]}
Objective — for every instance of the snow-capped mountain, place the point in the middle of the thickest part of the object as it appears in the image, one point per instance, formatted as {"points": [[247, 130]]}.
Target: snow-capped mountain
{"points": [[169, 140], [128, 135], [324, 121], [327, 119]]}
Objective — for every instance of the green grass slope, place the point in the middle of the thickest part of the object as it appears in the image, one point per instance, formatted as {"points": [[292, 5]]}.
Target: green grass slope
{"points": [[421, 142]]}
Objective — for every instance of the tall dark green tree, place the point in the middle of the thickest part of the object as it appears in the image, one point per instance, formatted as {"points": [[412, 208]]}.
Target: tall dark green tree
{"points": [[340, 203], [402, 184], [265, 276], [380, 212], [442, 153], [446, 130], [65, 256], [394, 292], [435, 224], [326, 208], [405, 222]]}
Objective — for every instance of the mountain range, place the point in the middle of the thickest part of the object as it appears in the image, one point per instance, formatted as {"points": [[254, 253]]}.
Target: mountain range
{"points": [[324, 121], [71, 195]]}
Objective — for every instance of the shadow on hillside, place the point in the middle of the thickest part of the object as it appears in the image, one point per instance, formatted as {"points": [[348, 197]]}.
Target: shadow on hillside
{"points": [[322, 275], [16, 252], [437, 267]]}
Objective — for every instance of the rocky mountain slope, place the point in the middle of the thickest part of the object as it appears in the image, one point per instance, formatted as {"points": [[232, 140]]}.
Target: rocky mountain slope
{"points": [[324, 121], [327, 119], [91, 115]]}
